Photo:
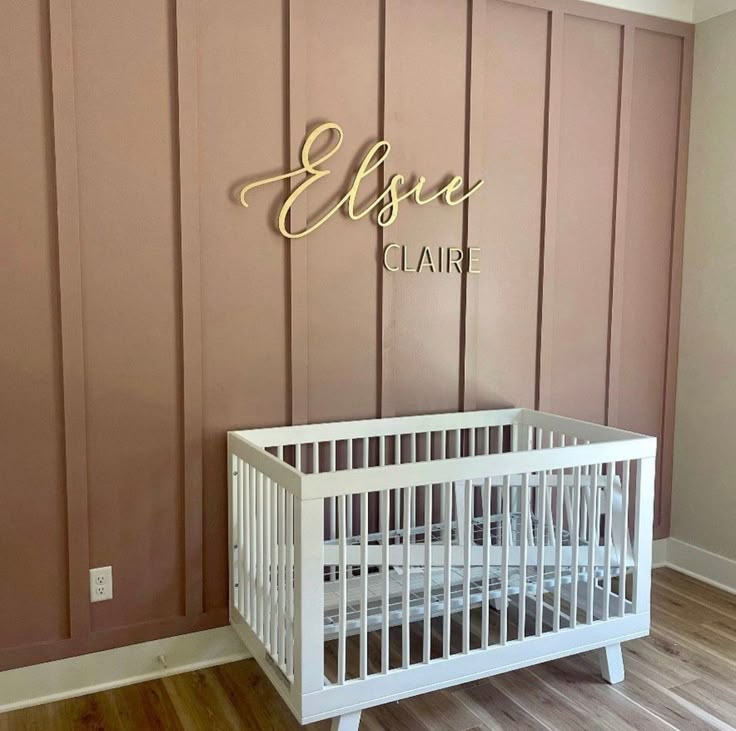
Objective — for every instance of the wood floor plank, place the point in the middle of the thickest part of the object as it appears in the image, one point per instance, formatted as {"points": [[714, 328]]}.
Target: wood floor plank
{"points": [[145, 705], [496, 710], [573, 680], [696, 591]]}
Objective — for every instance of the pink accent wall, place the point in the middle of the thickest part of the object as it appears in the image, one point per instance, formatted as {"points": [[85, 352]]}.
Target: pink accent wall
{"points": [[145, 312]]}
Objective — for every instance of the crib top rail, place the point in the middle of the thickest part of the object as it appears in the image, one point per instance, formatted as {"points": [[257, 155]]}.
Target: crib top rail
{"points": [[541, 442]]}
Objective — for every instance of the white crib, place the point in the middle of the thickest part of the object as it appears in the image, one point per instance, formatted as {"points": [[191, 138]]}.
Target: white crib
{"points": [[375, 560]]}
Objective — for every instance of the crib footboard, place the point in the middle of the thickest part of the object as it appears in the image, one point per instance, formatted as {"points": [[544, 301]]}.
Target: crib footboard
{"points": [[374, 560]]}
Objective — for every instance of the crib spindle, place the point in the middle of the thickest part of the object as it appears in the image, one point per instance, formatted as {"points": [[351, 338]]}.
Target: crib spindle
{"points": [[289, 585], [608, 537], [541, 545], [446, 617], [560, 519], [486, 498], [523, 547], [467, 541], [342, 589], [274, 513], [506, 541], [384, 521], [593, 540], [575, 538], [405, 595], [623, 538], [427, 636], [238, 536], [282, 576], [364, 584]]}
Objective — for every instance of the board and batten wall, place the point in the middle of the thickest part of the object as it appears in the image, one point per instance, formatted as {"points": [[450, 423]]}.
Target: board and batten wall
{"points": [[145, 312]]}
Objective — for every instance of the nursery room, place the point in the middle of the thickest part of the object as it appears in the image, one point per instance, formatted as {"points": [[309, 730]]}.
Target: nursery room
{"points": [[367, 364]]}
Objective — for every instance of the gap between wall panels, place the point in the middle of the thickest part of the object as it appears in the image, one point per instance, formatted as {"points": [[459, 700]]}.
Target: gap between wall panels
{"points": [[166, 324]]}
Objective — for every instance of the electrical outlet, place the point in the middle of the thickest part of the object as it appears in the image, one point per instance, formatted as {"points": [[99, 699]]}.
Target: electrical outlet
{"points": [[100, 584]]}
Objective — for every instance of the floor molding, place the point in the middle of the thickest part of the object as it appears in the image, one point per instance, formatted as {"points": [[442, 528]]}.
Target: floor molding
{"points": [[708, 567], [75, 676]]}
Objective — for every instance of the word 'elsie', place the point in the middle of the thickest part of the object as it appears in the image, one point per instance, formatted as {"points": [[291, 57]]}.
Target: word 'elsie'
{"points": [[386, 204]]}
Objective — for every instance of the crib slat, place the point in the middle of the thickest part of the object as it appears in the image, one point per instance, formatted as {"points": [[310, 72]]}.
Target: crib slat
{"points": [[332, 504], [427, 636], [364, 584], [575, 536], [253, 540], [523, 547], [608, 536], [239, 592], [267, 484], [385, 507], [624, 537], [506, 540], [274, 569], [446, 617], [560, 518], [260, 583], [343, 591], [289, 585], [282, 576], [467, 540], [413, 500], [541, 502], [244, 542], [350, 497], [486, 496], [405, 608], [593, 540]]}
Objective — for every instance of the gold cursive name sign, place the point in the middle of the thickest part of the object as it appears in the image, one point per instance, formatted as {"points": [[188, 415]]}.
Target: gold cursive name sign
{"points": [[386, 204]]}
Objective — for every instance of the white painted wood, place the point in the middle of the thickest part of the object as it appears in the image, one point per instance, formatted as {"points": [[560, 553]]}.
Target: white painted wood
{"points": [[559, 529], [99, 671], [612, 663], [347, 722]]}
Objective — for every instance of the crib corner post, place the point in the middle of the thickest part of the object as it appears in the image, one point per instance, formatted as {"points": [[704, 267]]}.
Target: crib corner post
{"points": [[644, 523], [308, 596], [612, 663], [346, 722]]}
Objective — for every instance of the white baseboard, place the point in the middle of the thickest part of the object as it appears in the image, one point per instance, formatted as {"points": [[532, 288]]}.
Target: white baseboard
{"points": [[659, 553], [75, 676], [708, 567]]}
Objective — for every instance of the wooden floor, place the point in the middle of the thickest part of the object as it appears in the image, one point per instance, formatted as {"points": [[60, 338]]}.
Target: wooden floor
{"points": [[683, 676]]}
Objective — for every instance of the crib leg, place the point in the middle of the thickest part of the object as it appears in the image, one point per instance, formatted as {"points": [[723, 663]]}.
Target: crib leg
{"points": [[612, 663], [348, 722]]}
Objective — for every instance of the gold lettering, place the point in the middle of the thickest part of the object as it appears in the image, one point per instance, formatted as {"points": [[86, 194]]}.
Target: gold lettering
{"points": [[473, 259], [404, 263], [387, 202], [425, 259], [386, 249], [452, 261]]}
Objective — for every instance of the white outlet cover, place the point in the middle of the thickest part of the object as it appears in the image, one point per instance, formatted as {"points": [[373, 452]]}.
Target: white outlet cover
{"points": [[100, 584]]}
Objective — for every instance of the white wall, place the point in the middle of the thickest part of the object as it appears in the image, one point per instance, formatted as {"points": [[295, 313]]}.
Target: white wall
{"points": [[704, 481]]}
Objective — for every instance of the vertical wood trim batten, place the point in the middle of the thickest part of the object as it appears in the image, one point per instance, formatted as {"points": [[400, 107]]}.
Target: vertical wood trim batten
{"points": [[618, 253], [386, 314], [664, 485], [70, 303], [299, 321], [474, 165], [549, 210], [191, 300]]}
